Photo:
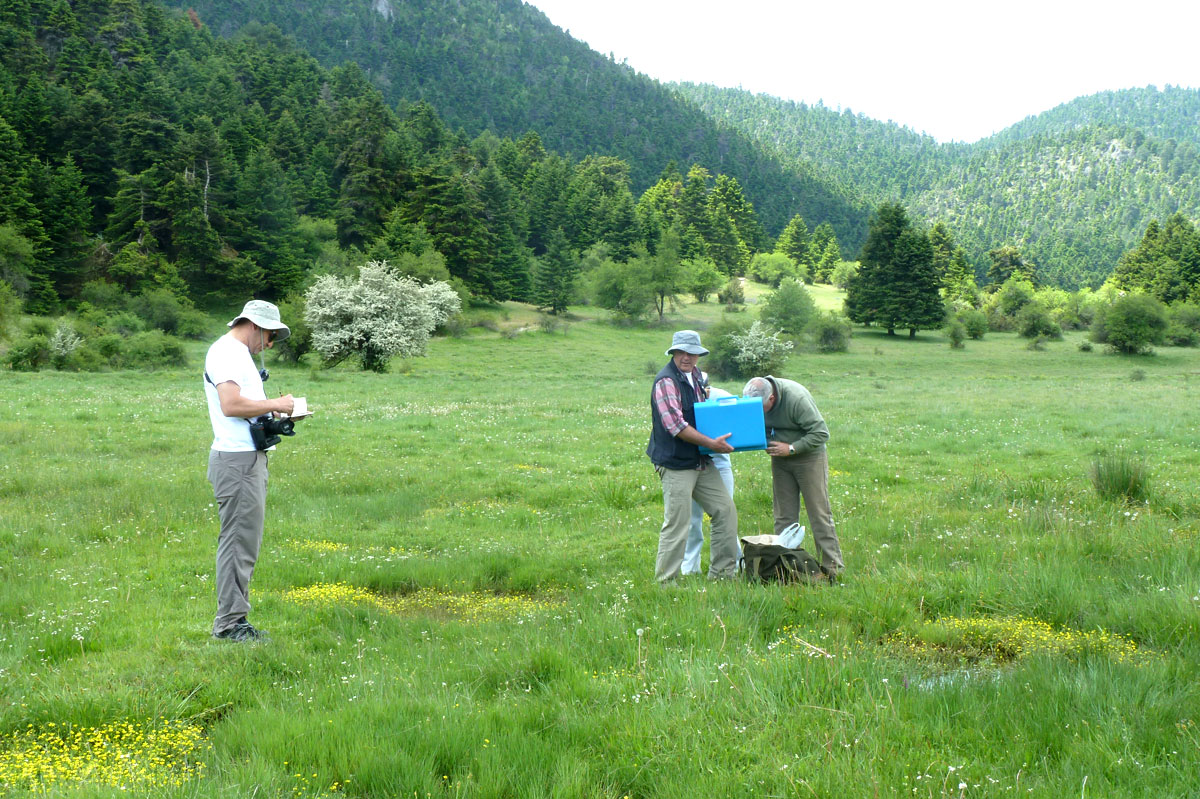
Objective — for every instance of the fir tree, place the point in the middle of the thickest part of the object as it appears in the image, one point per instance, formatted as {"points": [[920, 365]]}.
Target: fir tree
{"points": [[895, 285], [554, 274], [794, 240]]}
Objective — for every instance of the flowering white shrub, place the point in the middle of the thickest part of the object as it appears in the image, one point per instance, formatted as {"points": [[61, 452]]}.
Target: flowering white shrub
{"points": [[443, 301], [64, 342], [759, 350], [376, 317]]}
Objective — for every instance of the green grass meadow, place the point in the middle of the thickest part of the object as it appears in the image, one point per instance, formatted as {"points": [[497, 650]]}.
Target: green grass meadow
{"points": [[457, 577]]}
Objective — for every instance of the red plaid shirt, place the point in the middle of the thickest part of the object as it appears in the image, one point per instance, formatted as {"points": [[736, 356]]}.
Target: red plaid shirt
{"points": [[670, 404]]}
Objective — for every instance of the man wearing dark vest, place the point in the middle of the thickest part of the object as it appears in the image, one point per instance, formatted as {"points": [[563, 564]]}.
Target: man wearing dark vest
{"points": [[686, 474]]}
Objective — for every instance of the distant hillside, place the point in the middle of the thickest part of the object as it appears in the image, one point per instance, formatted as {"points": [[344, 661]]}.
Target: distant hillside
{"points": [[500, 65], [1072, 188], [881, 160], [1071, 202], [1170, 113]]}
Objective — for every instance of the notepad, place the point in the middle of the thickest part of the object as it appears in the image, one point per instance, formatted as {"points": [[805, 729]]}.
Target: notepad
{"points": [[299, 408]]}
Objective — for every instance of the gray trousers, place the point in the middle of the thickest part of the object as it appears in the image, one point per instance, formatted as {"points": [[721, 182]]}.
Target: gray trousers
{"points": [[680, 487], [807, 476], [239, 481]]}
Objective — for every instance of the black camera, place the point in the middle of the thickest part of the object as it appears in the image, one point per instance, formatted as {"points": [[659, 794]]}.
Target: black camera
{"points": [[266, 430]]}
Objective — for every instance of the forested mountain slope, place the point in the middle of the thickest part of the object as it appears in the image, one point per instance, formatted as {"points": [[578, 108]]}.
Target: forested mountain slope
{"points": [[1072, 203], [881, 160], [1170, 113], [143, 158], [1072, 189], [500, 65]]}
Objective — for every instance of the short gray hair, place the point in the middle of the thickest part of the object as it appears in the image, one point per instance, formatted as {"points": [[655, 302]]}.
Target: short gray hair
{"points": [[758, 387]]}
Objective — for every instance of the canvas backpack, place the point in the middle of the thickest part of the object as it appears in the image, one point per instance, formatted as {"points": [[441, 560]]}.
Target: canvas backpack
{"points": [[765, 561]]}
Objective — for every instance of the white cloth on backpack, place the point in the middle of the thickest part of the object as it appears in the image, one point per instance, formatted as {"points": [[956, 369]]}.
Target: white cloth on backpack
{"points": [[792, 536]]}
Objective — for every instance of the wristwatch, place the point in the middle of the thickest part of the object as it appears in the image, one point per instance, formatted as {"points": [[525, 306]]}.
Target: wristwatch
{"points": [[791, 450]]}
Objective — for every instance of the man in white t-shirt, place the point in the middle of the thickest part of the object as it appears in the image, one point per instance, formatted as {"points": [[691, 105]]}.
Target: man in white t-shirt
{"points": [[237, 470]]}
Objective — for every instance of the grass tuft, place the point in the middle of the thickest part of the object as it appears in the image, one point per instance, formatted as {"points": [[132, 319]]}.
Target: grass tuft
{"points": [[1121, 478]]}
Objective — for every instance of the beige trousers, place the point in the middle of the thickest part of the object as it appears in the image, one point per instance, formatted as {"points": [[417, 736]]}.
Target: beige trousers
{"points": [[807, 476], [680, 487]]}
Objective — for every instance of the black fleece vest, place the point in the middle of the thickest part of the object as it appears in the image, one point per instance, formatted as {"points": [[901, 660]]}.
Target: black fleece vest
{"points": [[665, 449]]}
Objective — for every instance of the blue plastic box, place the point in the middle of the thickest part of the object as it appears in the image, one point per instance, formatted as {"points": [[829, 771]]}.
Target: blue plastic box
{"points": [[742, 416]]}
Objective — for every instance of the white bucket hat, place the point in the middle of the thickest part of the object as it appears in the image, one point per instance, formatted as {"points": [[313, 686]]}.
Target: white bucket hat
{"points": [[266, 316]]}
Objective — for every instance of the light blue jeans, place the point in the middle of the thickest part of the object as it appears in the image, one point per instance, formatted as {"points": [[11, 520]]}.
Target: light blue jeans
{"points": [[695, 539]]}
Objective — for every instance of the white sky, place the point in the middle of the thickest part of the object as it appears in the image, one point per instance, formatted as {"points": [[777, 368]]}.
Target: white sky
{"points": [[957, 70]]}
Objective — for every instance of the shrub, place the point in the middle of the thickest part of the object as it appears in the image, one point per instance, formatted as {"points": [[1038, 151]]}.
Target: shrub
{"points": [[1034, 321], [10, 307], [997, 322], [85, 358], [109, 348], [758, 351], [29, 353], [734, 294], [772, 267], [956, 332], [428, 267], [1003, 305], [789, 308], [718, 338], [703, 279], [623, 288], [63, 344], [552, 324], [1179, 336], [194, 325], [1120, 478], [299, 343], [1085, 346], [123, 323], [1131, 325], [830, 332], [103, 294], [1014, 295], [153, 349], [974, 322], [443, 301], [160, 309], [843, 273], [376, 317], [1183, 328], [1186, 314]]}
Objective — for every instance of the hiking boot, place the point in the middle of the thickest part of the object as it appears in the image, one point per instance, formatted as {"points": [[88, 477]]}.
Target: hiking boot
{"points": [[241, 632]]}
